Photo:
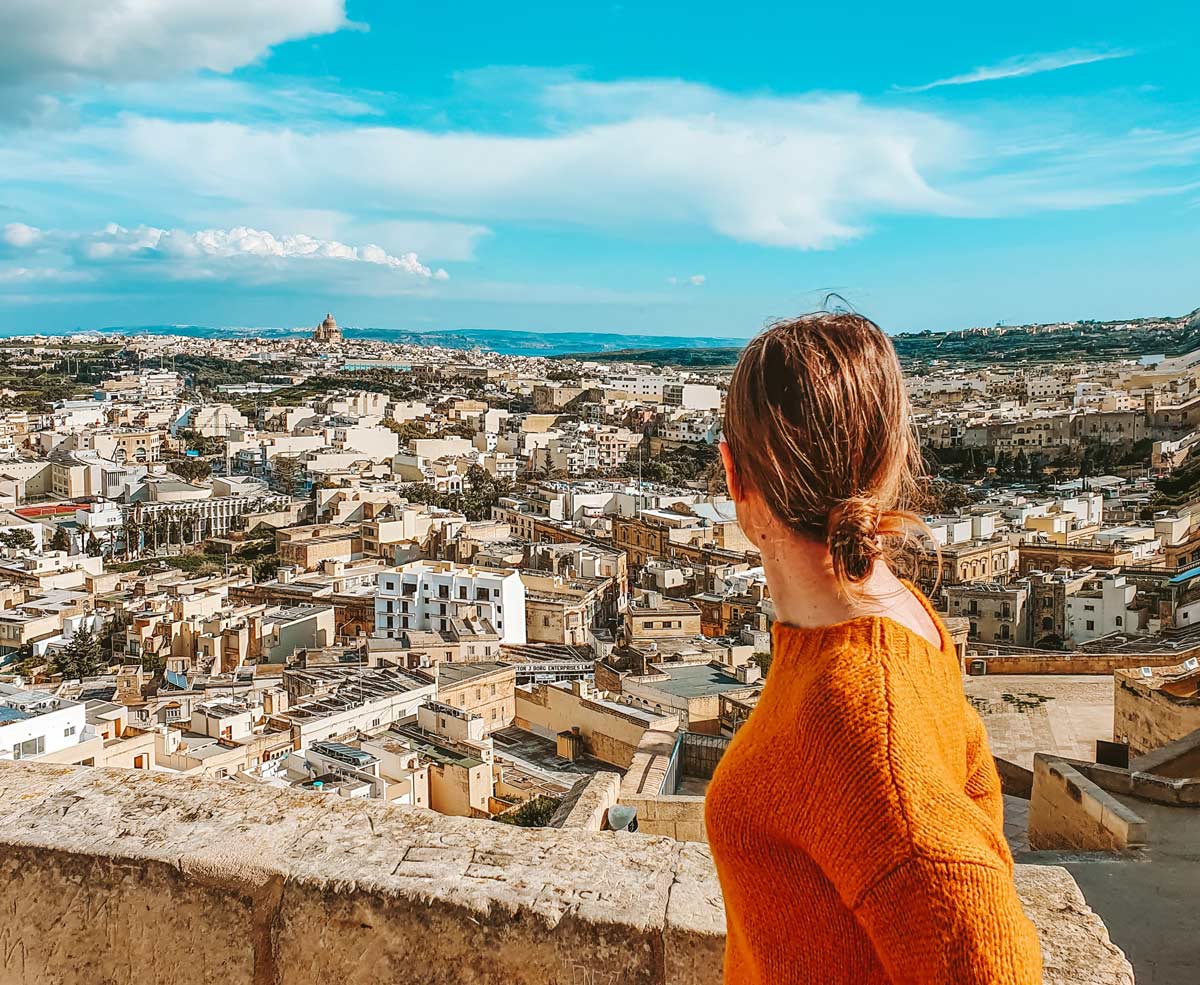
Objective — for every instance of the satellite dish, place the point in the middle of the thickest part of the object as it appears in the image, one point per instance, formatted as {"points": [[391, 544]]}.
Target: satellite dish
{"points": [[1147, 672]]}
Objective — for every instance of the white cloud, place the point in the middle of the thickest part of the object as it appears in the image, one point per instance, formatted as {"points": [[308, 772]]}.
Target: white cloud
{"points": [[1023, 65], [115, 243], [149, 39], [19, 236], [797, 172], [695, 280], [684, 160], [119, 256]]}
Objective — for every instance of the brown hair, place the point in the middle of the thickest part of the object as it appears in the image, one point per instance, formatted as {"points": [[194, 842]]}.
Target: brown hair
{"points": [[818, 421]]}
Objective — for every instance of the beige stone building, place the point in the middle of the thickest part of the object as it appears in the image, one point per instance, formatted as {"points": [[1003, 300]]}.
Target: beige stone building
{"points": [[309, 545], [994, 612], [485, 688], [959, 564], [654, 616], [610, 731], [560, 609]]}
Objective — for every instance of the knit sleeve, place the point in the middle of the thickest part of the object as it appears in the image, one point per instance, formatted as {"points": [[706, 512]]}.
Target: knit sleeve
{"points": [[983, 782], [942, 921]]}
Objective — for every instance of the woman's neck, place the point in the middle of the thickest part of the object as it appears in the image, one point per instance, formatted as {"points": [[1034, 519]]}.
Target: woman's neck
{"points": [[805, 592]]}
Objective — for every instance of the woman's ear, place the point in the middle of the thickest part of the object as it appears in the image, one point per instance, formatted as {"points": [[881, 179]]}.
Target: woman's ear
{"points": [[731, 473]]}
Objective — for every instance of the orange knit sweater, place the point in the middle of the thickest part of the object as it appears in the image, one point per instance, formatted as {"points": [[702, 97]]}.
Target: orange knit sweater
{"points": [[856, 822]]}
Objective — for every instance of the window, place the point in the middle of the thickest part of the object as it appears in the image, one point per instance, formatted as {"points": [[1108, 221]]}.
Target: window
{"points": [[404, 622], [30, 747], [390, 605], [68, 732], [493, 714], [545, 620], [443, 591], [462, 591], [1091, 625], [1118, 621]]}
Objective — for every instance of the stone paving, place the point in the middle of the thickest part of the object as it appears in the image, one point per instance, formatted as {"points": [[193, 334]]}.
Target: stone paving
{"points": [[1064, 715]]}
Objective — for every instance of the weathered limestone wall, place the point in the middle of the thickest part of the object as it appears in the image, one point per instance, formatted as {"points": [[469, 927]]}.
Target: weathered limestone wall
{"points": [[586, 804], [128, 876], [1149, 718], [672, 815], [1039, 662], [1069, 811]]}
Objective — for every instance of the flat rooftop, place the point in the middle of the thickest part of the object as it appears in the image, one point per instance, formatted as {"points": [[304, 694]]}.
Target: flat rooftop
{"points": [[697, 680], [456, 673]]}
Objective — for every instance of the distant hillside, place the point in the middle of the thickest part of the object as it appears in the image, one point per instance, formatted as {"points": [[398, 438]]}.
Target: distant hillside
{"points": [[1084, 341], [684, 356]]}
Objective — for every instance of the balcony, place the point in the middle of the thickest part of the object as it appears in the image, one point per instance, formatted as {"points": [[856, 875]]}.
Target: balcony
{"points": [[119, 876]]}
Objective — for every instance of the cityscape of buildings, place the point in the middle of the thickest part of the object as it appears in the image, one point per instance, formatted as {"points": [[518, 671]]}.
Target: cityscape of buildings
{"points": [[484, 585]]}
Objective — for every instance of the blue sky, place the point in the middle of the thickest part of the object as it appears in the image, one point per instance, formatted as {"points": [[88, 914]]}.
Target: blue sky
{"points": [[683, 169]]}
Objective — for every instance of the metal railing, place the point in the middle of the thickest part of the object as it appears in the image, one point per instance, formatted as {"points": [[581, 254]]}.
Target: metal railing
{"points": [[670, 781]]}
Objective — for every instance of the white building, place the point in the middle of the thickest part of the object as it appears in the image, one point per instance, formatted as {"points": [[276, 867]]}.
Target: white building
{"points": [[34, 723], [1100, 609], [426, 595], [692, 396]]}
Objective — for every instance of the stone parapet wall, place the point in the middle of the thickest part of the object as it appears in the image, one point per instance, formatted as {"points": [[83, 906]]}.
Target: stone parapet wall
{"points": [[1044, 662], [586, 804], [128, 876], [1069, 811]]}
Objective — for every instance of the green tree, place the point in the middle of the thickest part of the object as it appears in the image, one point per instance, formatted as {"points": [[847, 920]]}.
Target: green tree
{"points": [[60, 541], [80, 658], [285, 470], [407, 430], [131, 533], [534, 813], [18, 538], [191, 469]]}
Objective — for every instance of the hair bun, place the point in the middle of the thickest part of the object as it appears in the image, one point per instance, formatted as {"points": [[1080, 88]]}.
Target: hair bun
{"points": [[853, 537]]}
